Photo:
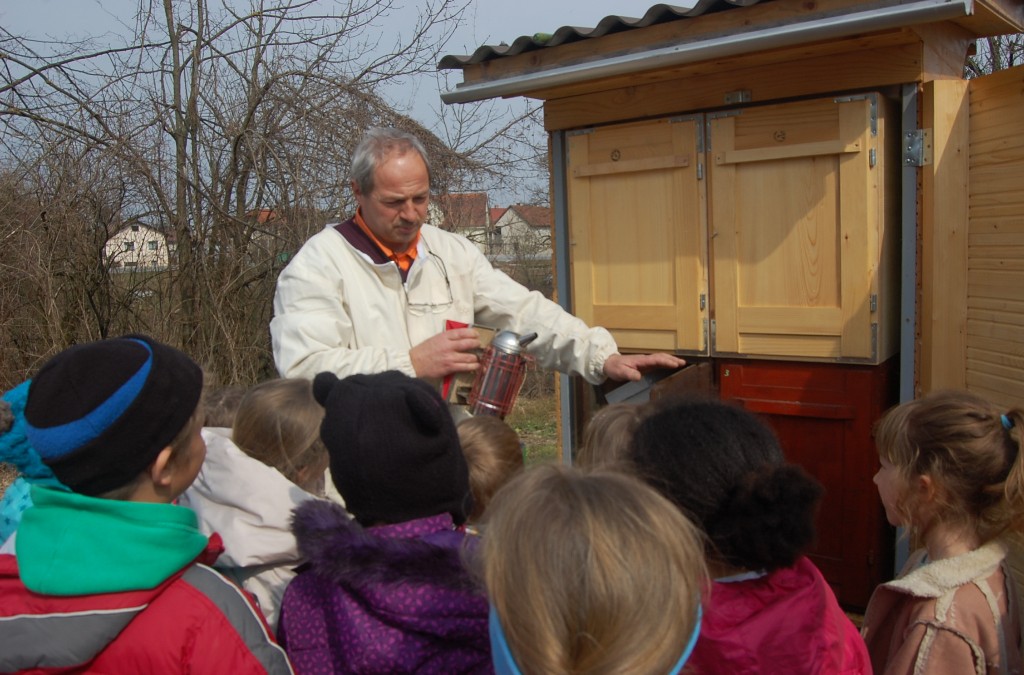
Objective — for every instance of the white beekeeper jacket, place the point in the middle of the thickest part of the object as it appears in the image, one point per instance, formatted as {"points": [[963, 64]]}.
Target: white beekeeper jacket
{"points": [[249, 504], [336, 310]]}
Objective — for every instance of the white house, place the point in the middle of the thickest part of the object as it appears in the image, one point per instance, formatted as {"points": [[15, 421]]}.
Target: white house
{"points": [[523, 230], [137, 247]]}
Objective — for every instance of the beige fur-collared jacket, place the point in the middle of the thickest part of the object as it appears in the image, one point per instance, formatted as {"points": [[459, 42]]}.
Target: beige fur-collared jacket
{"points": [[954, 616]]}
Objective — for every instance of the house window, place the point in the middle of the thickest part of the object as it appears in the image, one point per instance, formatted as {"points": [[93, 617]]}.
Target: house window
{"points": [[129, 246], [152, 245], [135, 228]]}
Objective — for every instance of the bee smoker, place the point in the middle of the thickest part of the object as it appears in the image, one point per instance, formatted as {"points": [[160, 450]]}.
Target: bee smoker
{"points": [[501, 373]]}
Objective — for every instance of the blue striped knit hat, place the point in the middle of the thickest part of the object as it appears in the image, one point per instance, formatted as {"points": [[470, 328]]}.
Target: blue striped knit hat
{"points": [[99, 413]]}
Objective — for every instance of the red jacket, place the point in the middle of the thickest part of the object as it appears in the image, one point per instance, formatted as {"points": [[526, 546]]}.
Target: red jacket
{"points": [[786, 622], [195, 622]]}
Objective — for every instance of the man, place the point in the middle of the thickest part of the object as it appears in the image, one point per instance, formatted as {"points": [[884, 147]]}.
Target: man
{"points": [[381, 290]]}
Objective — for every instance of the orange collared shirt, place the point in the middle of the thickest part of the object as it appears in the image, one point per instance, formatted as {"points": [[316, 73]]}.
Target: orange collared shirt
{"points": [[403, 260]]}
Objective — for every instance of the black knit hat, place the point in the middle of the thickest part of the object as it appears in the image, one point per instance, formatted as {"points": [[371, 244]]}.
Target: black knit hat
{"points": [[99, 413], [395, 454]]}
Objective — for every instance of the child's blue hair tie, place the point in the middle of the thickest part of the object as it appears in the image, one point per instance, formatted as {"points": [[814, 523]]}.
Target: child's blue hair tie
{"points": [[1007, 422], [505, 663]]}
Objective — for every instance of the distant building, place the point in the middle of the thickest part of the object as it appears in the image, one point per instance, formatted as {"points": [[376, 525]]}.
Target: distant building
{"points": [[465, 213], [500, 233], [138, 246], [524, 229]]}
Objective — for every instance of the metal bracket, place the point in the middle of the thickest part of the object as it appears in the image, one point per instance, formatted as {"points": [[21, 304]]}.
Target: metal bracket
{"points": [[917, 147], [738, 96], [872, 99]]}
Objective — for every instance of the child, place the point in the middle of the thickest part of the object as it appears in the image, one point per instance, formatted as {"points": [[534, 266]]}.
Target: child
{"points": [[271, 461], [386, 592], [607, 436], [16, 451], [111, 576], [770, 610], [950, 473], [493, 453], [590, 573]]}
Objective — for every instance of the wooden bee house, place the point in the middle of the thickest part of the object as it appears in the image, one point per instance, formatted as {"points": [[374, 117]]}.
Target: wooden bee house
{"points": [[806, 198]]}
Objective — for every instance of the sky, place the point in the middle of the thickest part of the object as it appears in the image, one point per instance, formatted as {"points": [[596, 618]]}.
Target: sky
{"points": [[485, 22]]}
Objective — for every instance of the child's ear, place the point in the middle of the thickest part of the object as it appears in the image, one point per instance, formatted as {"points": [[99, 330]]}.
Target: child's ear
{"points": [[161, 470], [925, 488]]}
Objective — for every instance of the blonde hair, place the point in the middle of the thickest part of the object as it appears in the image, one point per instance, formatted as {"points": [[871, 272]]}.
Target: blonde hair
{"points": [[608, 435], [493, 454], [591, 572], [969, 448], [221, 404], [278, 423]]}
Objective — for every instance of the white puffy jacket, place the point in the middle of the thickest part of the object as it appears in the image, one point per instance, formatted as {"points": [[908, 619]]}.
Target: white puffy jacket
{"points": [[335, 310], [249, 504]]}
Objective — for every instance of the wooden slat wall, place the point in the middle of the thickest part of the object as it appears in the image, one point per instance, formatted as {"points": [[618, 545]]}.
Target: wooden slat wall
{"points": [[995, 266]]}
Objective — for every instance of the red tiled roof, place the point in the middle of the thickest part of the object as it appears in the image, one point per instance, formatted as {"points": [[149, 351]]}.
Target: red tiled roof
{"points": [[497, 213], [464, 210], [534, 216]]}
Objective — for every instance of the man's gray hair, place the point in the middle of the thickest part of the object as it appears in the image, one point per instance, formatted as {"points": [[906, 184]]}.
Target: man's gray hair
{"points": [[376, 144]]}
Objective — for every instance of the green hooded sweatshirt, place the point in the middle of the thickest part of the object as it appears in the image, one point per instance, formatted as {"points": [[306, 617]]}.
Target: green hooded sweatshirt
{"points": [[70, 544]]}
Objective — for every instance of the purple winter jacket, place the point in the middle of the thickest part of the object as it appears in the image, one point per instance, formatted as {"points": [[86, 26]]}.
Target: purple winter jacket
{"points": [[386, 599]]}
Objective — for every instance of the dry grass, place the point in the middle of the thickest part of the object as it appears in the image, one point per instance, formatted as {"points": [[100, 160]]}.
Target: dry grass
{"points": [[535, 419], [7, 476]]}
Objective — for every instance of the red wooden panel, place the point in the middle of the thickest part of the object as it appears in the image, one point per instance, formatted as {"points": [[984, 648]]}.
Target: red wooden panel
{"points": [[823, 415]]}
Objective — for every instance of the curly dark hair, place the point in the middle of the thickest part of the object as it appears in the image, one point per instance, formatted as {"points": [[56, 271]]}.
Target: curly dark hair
{"points": [[724, 467]]}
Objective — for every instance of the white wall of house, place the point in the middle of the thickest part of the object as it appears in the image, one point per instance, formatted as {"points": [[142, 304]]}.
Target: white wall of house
{"points": [[519, 237], [137, 247]]}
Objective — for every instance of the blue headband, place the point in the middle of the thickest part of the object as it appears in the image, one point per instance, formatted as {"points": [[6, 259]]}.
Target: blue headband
{"points": [[505, 664]]}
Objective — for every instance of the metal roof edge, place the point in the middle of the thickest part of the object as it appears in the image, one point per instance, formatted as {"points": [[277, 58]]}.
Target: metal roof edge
{"points": [[822, 28]]}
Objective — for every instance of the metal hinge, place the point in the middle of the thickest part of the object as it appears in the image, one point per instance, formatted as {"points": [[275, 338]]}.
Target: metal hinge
{"points": [[873, 302], [711, 338], [705, 324], [872, 158], [917, 147], [703, 301]]}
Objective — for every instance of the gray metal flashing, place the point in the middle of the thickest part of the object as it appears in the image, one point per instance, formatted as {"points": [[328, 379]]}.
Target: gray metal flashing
{"points": [[566, 402], [860, 19]]}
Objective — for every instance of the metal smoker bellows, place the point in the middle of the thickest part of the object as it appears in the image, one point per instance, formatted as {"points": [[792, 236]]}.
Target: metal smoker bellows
{"points": [[502, 369]]}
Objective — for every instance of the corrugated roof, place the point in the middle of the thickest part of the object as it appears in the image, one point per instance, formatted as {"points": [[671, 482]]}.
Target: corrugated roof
{"points": [[610, 24]]}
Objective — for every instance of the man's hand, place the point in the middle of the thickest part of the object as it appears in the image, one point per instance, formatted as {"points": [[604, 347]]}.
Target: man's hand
{"points": [[630, 367], [452, 351]]}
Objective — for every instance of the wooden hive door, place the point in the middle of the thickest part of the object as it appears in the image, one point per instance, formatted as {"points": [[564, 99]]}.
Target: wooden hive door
{"points": [[795, 216], [637, 229]]}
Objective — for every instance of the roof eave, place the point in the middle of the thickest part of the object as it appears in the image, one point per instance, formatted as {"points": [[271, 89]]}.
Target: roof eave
{"points": [[855, 22]]}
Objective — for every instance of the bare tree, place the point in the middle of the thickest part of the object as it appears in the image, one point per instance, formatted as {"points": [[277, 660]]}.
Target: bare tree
{"points": [[228, 127], [994, 53]]}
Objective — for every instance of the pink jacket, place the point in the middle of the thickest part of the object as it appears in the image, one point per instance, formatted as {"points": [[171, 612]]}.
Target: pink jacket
{"points": [[954, 616], [786, 622]]}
